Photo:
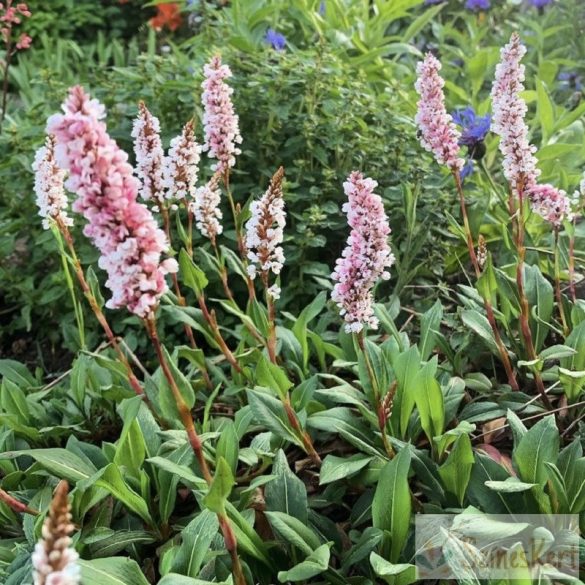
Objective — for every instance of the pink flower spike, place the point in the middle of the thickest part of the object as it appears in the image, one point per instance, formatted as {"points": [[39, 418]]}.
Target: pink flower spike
{"points": [[265, 232], [182, 165], [205, 207], [49, 186], [550, 203], [123, 230], [222, 132], [366, 257], [149, 155], [509, 110], [437, 130]]}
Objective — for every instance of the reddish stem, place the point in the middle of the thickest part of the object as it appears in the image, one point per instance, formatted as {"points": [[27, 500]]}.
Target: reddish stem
{"points": [[487, 303]]}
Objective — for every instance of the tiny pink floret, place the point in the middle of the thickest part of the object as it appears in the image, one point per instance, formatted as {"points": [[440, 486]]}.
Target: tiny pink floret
{"points": [[123, 230]]}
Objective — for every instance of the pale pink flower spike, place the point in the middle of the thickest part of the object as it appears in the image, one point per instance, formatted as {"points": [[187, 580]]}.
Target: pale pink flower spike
{"points": [[438, 133], [123, 230], [49, 186], [149, 156], [509, 110], [366, 257], [222, 132]]}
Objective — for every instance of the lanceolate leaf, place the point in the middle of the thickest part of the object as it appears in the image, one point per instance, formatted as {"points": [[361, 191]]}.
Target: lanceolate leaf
{"points": [[392, 505]]}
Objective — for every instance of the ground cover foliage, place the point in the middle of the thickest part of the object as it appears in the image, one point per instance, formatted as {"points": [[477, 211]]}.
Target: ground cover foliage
{"points": [[287, 428]]}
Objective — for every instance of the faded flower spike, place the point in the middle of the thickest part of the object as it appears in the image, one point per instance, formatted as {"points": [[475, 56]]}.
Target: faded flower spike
{"points": [[550, 203], [49, 186], [149, 155], [205, 207], [222, 132], [264, 232], [508, 122], [481, 252], [54, 560], [124, 231], [437, 130], [366, 257], [182, 164]]}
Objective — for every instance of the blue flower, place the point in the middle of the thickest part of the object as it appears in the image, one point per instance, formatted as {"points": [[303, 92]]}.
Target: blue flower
{"points": [[276, 40], [478, 5], [474, 128], [571, 79], [322, 8], [430, 2], [540, 3], [467, 169]]}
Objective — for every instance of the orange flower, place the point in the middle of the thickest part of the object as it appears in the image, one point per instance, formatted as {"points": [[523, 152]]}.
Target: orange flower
{"points": [[168, 15]]}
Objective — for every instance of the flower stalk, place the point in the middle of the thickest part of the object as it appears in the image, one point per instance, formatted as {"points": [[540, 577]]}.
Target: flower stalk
{"points": [[229, 536]]}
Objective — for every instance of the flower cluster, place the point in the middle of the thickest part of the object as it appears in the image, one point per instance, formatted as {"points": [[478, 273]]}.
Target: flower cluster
{"points": [[54, 559], [478, 5], [540, 4], [366, 257], [264, 231], [550, 203], [222, 132], [205, 207], [123, 230], [474, 130], [49, 186], [182, 164], [437, 131], [149, 155], [9, 17], [508, 122], [275, 39]]}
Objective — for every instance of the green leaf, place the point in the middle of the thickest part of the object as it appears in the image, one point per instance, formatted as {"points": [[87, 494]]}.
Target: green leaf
{"points": [[540, 295], [192, 275], [227, 446], [306, 316], [17, 373], [479, 324], [294, 532], [221, 488], [511, 485], [269, 411], [540, 445], [111, 571], [429, 401], [196, 537], [60, 462], [314, 564], [456, 470], [110, 478], [429, 324], [286, 492], [406, 367], [269, 375], [403, 574], [545, 111], [175, 579], [392, 506], [336, 468]]}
